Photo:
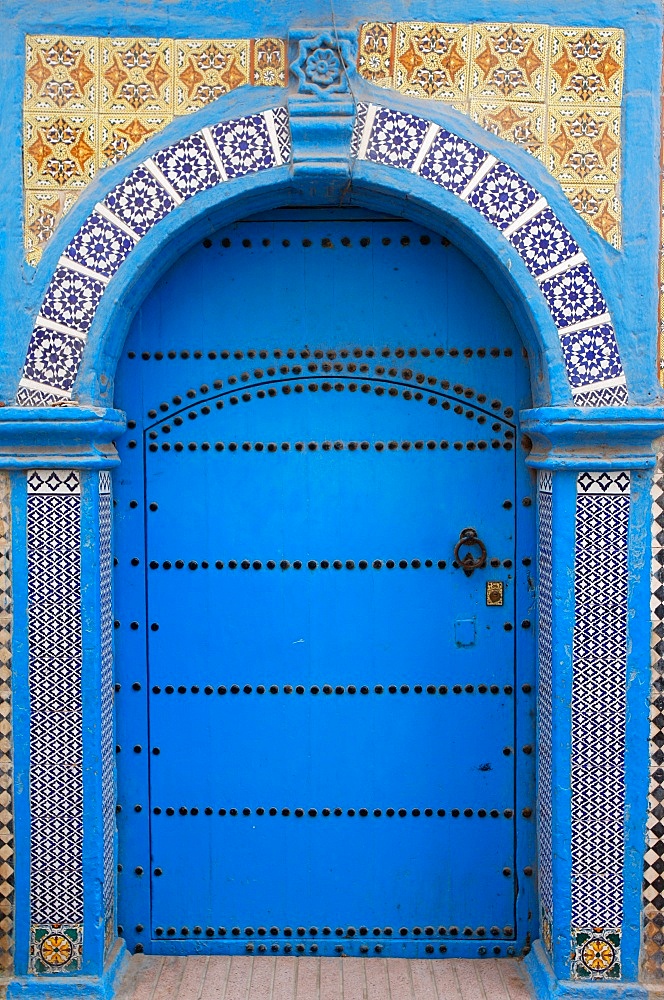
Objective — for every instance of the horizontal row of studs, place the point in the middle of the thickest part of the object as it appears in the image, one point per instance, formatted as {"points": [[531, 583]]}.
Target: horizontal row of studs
{"points": [[300, 446], [313, 813], [299, 948], [331, 355], [336, 689], [327, 244], [347, 932], [311, 564]]}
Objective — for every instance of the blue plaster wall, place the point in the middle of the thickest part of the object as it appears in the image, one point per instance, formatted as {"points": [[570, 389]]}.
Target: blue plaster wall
{"points": [[632, 272]]}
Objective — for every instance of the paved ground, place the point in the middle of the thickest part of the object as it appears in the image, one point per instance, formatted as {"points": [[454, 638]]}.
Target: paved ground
{"points": [[268, 978]]}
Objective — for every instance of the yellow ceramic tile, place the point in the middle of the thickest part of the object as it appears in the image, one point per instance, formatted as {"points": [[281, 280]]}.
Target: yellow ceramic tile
{"points": [[61, 73], [431, 60], [509, 62], [599, 205], [267, 66], [43, 212], [520, 123], [586, 66], [59, 151], [584, 144], [375, 60], [205, 69], [136, 75], [119, 135]]}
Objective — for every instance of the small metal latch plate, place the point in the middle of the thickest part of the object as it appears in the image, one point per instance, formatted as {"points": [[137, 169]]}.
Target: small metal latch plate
{"points": [[494, 593]]}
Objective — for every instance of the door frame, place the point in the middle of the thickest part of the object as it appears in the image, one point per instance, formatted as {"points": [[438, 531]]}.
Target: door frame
{"points": [[594, 461]]}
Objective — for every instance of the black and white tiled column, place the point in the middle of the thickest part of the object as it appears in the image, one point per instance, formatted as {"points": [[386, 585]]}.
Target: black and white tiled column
{"points": [[56, 724]]}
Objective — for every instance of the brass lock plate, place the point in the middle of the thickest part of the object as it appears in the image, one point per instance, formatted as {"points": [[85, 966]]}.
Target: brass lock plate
{"points": [[494, 593]]}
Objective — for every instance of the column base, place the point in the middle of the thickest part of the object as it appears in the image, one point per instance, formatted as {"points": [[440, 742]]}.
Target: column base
{"points": [[52, 987], [545, 986]]}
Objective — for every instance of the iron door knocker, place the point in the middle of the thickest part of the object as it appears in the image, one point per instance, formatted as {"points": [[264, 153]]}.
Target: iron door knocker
{"points": [[470, 563]]}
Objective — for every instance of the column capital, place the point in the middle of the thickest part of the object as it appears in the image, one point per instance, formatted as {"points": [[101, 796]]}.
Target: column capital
{"points": [[570, 438], [62, 437]]}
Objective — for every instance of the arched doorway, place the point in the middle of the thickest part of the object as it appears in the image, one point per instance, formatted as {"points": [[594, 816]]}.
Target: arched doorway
{"points": [[325, 719]]}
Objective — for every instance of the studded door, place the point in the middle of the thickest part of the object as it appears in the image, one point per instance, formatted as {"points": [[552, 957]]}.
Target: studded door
{"points": [[323, 639]]}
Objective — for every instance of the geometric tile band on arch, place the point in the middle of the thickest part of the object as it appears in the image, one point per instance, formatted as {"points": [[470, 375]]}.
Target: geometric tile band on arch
{"points": [[524, 218], [213, 156]]}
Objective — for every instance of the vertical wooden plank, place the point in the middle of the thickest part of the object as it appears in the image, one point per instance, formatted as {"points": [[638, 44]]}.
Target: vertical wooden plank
{"points": [[216, 977]]}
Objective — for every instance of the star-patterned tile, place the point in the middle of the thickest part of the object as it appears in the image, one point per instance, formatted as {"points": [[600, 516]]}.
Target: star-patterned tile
{"points": [[544, 242], [139, 201], [502, 196], [188, 165]]}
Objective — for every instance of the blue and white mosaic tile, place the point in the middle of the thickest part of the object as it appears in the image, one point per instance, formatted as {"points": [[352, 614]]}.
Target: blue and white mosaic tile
{"points": [[53, 358], [188, 165], [502, 196], [139, 201], [71, 299], [100, 246], [543, 243], [244, 145], [591, 355], [573, 296], [395, 138], [451, 161], [107, 740]]}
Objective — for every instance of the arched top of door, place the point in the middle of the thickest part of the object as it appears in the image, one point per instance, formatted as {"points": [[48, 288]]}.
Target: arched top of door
{"points": [[237, 159]]}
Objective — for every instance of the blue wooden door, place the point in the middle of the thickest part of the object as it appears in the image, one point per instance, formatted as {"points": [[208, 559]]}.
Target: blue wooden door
{"points": [[324, 706]]}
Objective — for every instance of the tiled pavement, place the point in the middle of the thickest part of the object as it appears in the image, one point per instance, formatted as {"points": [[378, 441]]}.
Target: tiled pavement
{"points": [[220, 977]]}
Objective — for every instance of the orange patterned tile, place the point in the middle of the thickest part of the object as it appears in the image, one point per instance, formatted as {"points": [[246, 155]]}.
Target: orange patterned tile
{"points": [[43, 212], [586, 66], [206, 69], [431, 60], [59, 151], [509, 62], [584, 144], [521, 123], [599, 205], [119, 135], [136, 75], [268, 63], [61, 73], [376, 52]]}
